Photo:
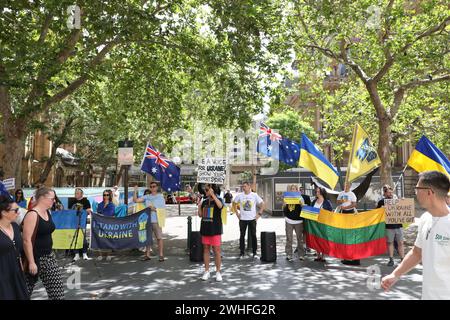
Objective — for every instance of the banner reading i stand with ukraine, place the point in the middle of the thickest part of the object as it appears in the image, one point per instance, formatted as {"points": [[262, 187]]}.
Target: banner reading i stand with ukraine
{"points": [[128, 232]]}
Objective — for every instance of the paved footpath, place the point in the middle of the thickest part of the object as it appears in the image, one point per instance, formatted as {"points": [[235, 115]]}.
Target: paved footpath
{"points": [[126, 277]]}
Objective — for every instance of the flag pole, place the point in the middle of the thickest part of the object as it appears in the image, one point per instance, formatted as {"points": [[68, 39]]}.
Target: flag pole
{"points": [[350, 157], [401, 175]]}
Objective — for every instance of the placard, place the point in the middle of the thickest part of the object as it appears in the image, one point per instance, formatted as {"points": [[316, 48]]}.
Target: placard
{"points": [[212, 170], [399, 211], [10, 183]]}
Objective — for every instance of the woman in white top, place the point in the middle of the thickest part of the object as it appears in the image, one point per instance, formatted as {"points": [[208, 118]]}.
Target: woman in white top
{"points": [[321, 201]]}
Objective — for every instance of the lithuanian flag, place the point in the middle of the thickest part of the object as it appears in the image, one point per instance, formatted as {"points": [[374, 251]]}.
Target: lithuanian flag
{"points": [[348, 236]]}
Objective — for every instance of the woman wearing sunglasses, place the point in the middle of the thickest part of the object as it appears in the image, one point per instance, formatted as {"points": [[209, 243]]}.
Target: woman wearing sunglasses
{"points": [[210, 210], [12, 279], [107, 207], [20, 199]]}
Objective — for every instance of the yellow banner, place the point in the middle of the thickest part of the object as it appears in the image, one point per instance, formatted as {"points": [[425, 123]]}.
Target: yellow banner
{"points": [[161, 213], [292, 201], [363, 157], [224, 215], [65, 239]]}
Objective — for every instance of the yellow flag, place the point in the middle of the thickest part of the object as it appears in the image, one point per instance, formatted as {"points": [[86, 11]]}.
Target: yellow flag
{"points": [[161, 213], [363, 157], [224, 215]]}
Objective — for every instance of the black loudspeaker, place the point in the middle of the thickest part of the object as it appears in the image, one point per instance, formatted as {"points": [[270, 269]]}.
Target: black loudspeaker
{"points": [[268, 247], [196, 247]]}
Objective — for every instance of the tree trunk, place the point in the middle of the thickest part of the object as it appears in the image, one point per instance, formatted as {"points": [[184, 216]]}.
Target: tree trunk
{"points": [[384, 136], [13, 132], [384, 150], [14, 149], [102, 176], [48, 166]]}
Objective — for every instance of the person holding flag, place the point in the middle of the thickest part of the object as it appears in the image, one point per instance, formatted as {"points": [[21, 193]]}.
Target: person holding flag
{"points": [[168, 174], [154, 201]]}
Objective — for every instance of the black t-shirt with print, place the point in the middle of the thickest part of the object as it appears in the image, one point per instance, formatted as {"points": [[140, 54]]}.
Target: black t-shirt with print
{"points": [[211, 218], [84, 202]]}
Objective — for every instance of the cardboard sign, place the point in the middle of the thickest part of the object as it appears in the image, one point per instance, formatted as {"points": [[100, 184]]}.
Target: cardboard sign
{"points": [[10, 183], [212, 170], [399, 211], [125, 157]]}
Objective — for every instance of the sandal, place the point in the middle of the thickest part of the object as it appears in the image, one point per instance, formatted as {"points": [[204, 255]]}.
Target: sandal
{"points": [[145, 258], [161, 259]]}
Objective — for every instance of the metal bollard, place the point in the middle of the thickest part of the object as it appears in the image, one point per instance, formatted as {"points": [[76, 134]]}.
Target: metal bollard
{"points": [[189, 222]]}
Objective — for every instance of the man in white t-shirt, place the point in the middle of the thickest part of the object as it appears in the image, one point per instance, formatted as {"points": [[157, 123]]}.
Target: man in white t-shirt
{"points": [[247, 216], [432, 246], [347, 200]]}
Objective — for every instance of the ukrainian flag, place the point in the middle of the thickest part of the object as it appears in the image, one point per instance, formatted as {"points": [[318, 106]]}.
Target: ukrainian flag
{"points": [[293, 198], [310, 213], [311, 158], [66, 224], [426, 156]]}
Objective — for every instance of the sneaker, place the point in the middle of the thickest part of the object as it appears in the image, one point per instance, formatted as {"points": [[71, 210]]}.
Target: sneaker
{"points": [[85, 257], [255, 256], [241, 257], [390, 263], [218, 277], [289, 258], [100, 258], [77, 257], [109, 258], [205, 276], [302, 258]]}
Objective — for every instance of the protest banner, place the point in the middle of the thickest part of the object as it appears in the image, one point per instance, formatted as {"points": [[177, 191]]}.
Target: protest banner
{"points": [[399, 211], [128, 232], [212, 170]]}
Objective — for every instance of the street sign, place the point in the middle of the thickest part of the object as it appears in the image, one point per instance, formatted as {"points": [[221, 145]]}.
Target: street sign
{"points": [[10, 184], [125, 155]]}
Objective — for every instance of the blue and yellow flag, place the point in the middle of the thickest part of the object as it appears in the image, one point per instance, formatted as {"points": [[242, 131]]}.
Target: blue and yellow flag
{"points": [[291, 197], [66, 225], [311, 158], [426, 156], [363, 156], [310, 213]]}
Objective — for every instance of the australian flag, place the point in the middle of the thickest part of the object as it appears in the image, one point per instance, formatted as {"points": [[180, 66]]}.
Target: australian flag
{"points": [[273, 145], [162, 169]]}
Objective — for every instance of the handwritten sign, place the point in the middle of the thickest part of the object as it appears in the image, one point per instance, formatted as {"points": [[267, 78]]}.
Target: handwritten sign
{"points": [[212, 170], [10, 183], [399, 211]]}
